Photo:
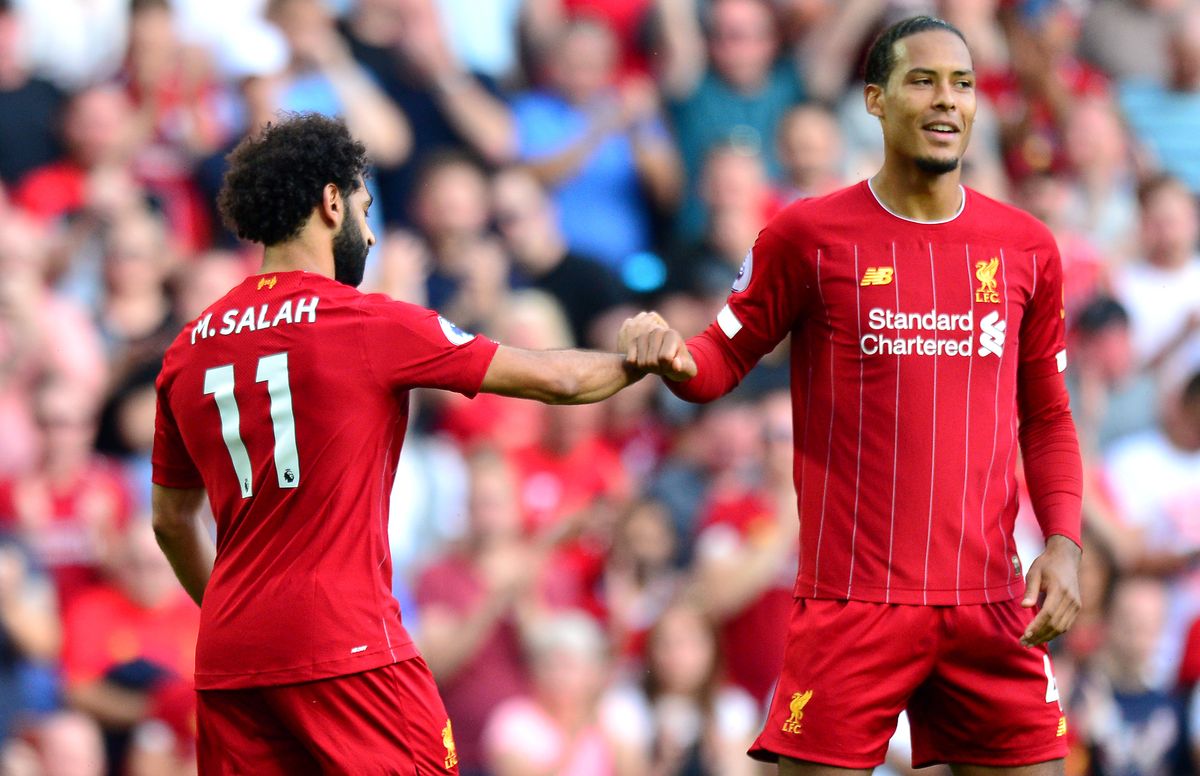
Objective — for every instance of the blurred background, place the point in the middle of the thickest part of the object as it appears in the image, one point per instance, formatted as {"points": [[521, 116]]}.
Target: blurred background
{"points": [[599, 590]]}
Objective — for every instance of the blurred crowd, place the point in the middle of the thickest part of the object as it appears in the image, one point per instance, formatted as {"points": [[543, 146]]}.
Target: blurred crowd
{"points": [[599, 590]]}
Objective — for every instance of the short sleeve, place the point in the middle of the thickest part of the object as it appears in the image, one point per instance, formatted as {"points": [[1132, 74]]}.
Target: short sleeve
{"points": [[407, 346], [775, 286], [1043, 327], [172, 465]]}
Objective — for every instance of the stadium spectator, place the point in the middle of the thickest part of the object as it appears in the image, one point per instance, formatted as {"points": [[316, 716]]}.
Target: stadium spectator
{"points": [[1085, 270], [42, 335], [74, 44], [599, 147], [1155, 481], [745, 565], [323, 77], [810, 153], [682, 714], [136, 319], [451, 211], [1111, 395], [64, 743], [737, 196], [564, 726], [1103, 191], [725, 81], [528, 223], [130, 643], [30, 631], [640, 577], [29, 107], [72, 508], [98, 136], [1165, 117], [1125, 723], [472, 604], [1128, 39], [1159, 290], [405, 46]]}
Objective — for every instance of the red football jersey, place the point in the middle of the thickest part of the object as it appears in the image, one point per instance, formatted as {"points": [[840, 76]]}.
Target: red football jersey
{"points": [[909, 342], [287, 400]]}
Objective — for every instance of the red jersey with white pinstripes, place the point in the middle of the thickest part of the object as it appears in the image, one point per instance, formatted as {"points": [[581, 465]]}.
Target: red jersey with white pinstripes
{"points": [[909, 342], [287, 401]]}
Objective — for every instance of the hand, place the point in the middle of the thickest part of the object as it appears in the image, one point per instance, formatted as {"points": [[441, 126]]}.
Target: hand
{"points": [[650, 345], [1052, 583]]}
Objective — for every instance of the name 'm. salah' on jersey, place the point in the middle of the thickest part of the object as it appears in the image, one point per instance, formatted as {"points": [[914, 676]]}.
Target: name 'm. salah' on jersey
{"points": [[909, 341], [287, 400]]}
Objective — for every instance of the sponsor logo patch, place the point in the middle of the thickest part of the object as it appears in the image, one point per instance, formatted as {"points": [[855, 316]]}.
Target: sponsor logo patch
{"points": [[456, 335], [877, 276], [743, 276]]}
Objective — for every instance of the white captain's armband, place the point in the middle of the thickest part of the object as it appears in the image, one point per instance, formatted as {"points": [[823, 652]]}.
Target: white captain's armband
{"points": [[728, 322], [1060, 359]]}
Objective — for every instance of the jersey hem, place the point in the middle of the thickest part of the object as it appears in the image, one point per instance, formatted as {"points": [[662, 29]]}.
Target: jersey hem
{"points": [[882, 595], [367, 661]]}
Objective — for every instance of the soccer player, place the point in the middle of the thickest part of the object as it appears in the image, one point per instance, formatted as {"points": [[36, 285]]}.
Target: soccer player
{"points": [[927, 346], [286, 403]]}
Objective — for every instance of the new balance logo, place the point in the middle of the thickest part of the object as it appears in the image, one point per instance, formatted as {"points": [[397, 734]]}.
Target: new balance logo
{"points": [[991, 335], [877, 276]]}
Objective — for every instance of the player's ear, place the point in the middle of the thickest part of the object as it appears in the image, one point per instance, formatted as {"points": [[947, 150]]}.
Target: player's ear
{"points": [[873, 96], [333, 205]]}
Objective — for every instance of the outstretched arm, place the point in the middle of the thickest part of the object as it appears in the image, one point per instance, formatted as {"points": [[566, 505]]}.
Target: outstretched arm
{"points": [[575, 376], [183, 537]]}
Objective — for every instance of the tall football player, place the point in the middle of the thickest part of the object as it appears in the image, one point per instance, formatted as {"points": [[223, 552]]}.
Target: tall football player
{"points": [[927, 349]]}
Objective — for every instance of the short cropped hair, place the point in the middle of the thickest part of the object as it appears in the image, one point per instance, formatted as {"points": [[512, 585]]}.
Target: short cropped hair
{"points": [[881, 58], [275, 180]]}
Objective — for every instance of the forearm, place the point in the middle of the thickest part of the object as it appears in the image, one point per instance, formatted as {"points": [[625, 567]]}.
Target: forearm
{"points": [[33, 629], [183, 537], [113, 706], [1050, 449], [370, 115], [552, 170], [450, 642], [659, 169], [683, 43], [716, 375], [483, 121], [557, 376]]}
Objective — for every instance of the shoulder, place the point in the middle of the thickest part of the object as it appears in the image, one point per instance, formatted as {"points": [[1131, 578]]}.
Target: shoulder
{"points": [[1019, 225], [806, 214]]}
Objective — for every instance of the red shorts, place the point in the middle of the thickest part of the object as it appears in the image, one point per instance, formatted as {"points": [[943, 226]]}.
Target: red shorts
{"points": [[974, 695], [389, 720]]}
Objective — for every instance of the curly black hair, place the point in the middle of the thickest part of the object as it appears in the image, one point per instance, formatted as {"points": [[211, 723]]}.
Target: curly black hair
{"points": [[275, 180], [881, 57]]}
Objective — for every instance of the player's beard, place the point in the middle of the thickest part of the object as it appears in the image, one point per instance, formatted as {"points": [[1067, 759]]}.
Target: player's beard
{"points": [[349, 253], [927, 164]]}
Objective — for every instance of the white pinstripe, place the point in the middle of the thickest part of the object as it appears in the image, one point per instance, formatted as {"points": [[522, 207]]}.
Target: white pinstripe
{"points": [[933, 434], [987, 548], [804, 439], [1013, 424], [895, 441], [829, 443], [858, 454], [962, 520]]}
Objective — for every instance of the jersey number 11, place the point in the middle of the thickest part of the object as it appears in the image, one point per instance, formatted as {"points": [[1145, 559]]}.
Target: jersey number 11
{"points": [[272, 370]]}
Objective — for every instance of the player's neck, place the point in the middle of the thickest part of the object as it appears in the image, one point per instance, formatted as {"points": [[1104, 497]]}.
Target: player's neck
{"points": [[298, 254], [917, 195]]}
